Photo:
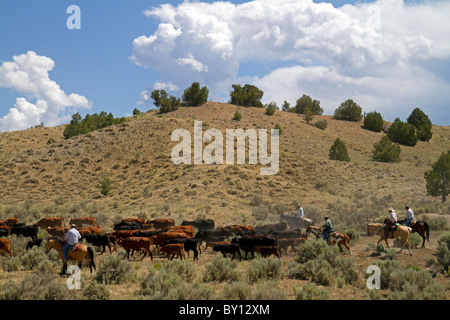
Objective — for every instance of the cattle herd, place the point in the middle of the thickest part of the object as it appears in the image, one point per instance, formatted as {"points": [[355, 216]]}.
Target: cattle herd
{"points": [[146, 236]]}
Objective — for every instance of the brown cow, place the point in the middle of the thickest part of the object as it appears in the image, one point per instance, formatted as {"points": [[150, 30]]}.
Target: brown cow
{"points": [[90, 230], [44, 223], [159, 239], [123, 234], [237, 228], [5, 245], [137, 243], [58, 232], [10, 221], [161, 223], [265, 251], [79, 222], [173, 249], [189, 230], [137, 220]]}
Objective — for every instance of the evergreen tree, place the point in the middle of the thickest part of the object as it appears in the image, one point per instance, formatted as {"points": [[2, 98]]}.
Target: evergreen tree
{"points": [[307, 103], [438, 178], [386, 151], [194, 95], [374, 121], [422, 124], [402, 133], [164, 102], [338, 151], [348, 110], [249, 96]]}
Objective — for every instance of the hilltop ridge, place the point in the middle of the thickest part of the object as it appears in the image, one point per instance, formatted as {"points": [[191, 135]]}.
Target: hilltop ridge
{"points": [[64, 177]]}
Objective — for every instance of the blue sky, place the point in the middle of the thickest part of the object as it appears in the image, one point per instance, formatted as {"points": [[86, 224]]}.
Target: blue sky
{"points": [[387, 57]]}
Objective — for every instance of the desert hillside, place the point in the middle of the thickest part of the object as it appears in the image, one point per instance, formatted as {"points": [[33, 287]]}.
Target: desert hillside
{"points": [[43, 174]]}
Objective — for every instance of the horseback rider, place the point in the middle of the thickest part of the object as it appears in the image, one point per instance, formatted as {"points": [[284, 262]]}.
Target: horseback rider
{"points": [[72, 237], [327, 228], [391, 222], [300, 212], [409, 216]]}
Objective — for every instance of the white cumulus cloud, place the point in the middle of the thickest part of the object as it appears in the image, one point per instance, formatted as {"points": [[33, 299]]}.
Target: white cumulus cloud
{"points": [[28, 74], [360, 51]]}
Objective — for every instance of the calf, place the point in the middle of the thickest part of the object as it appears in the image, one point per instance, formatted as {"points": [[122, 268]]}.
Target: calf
{"points": [[231, 248], [35, 243], [173, 249], [136, 243], [189, 244], [265, 251]]}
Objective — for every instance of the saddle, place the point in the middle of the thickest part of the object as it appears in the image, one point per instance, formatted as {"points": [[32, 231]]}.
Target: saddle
{"points": [[74, 247]]}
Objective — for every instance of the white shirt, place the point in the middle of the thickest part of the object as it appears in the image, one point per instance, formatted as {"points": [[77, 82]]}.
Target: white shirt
{"points": [[73, 235], [393, 216], [409, 214], [300, 213]]}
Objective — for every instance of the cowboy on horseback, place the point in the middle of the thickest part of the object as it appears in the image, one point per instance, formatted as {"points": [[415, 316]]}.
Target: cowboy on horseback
{"points": [[391, 221], [327, 228], [300, 212], [72, 237], [409, 216]]}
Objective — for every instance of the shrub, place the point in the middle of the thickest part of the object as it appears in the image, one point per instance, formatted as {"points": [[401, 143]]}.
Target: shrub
{"points": [[305, 102], [280, 130], [112, 270], [268, 291], [338, 151], [265, 269], [35, 286], [386, 151], [190, 291], [348, 110], [402, 133], [194, 95], [249, 96], [164, 102], [271, 108], [311, 291], [409, 284], [106, 186], [237, 290], [221, 270], [422, 124], [321, 124], [443, 251], [374, 121], [96, 291], [237, 116]]}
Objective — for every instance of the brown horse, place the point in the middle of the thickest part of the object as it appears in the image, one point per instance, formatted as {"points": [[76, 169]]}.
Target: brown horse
{"points": [[402, 231], [421, 227], [334, 237], [82, 252]]}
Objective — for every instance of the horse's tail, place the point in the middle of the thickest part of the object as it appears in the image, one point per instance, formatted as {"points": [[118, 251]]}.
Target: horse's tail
{"points": [[91, 258], [427, 230]]}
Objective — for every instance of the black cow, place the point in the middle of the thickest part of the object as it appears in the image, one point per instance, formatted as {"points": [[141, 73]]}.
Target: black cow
{"points": [[4, 233], [34, 243], [99, 240], [232, 248], [249, 243], [200, 224], [26, 231], [147, 233], [275, 227], [189, 244], [127, 225]]}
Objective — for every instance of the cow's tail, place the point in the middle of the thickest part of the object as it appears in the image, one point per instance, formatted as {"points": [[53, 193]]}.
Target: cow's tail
{"points": [[91, 258]]}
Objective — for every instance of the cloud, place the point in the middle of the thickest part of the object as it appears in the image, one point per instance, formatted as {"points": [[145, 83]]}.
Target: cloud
{"points": [[29, 74], [360, 50]]}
